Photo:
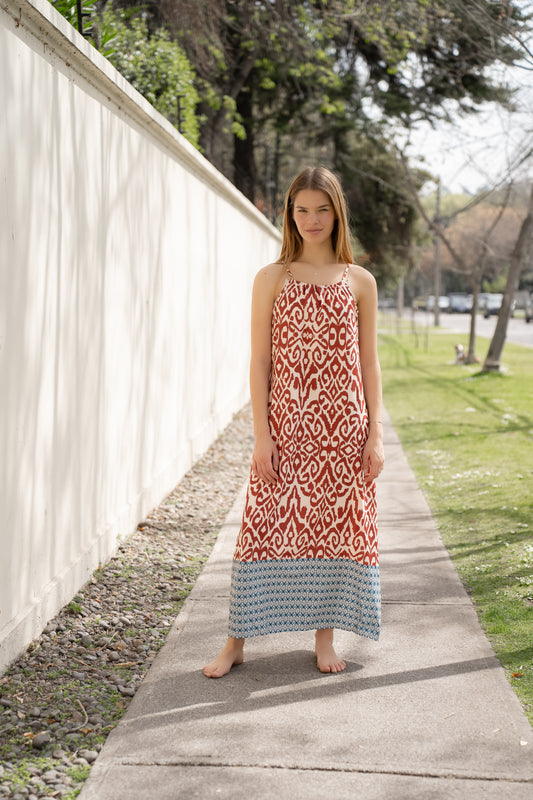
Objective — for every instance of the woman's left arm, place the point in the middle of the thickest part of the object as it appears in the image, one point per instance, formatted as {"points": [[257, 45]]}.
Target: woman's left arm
{"points": [[373, 455]]}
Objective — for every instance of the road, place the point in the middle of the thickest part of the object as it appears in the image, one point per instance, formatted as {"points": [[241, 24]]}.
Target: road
{"points": [[518, 331]]}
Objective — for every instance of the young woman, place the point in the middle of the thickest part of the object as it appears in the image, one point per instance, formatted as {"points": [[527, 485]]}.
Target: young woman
{"points": [[306, 555]]}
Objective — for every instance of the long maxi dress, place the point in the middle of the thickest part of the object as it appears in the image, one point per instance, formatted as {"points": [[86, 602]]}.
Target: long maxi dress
{"points": [[306, 555]]}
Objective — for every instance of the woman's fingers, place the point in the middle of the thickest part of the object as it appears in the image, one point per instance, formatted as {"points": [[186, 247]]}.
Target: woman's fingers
{"points": [[366, 465], [266, 473], [275, 461], [372, 466], [266, 464]]}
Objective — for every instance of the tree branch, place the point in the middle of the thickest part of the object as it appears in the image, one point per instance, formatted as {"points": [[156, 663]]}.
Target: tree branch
{"points": [[432, 224]]}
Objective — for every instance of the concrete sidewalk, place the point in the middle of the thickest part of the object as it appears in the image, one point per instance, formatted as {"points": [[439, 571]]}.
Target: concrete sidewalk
{"points": [[424, 713]]}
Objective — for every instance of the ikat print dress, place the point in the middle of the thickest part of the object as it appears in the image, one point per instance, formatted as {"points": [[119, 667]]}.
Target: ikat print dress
{"points": [[306, 555]]}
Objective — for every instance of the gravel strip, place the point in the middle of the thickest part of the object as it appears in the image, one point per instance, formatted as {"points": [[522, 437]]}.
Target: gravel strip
{"points": [[62, 697]]}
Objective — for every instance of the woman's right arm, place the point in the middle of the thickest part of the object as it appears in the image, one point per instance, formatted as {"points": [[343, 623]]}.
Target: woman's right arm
{"points": [[265, 459]]}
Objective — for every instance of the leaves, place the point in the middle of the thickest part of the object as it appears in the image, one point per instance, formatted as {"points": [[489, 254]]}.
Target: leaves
{"points": [[157, 67], [154, 64]]}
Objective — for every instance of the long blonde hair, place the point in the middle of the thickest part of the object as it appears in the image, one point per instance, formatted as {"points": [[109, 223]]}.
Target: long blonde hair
{"points": [[323, 179]]}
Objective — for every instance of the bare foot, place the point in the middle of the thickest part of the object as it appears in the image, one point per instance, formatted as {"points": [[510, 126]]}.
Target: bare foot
{"points": [[326, 658], [230, 655]]}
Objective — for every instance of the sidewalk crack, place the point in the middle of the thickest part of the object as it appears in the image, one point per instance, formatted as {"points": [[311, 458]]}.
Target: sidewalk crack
{"points": [[435, 775]]}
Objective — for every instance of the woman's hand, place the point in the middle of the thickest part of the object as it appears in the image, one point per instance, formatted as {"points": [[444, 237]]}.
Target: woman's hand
{"points": [[265, 459], [373, 455]]}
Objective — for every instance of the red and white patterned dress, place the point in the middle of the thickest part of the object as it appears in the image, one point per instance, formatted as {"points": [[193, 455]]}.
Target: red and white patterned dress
{"points": [[306, 555]]}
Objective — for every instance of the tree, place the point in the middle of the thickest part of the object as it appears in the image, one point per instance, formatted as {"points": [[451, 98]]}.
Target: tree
{"points": [[156, 66], [467, 232], [383, 214], [261, 65], [470, 261], [522, 253], [290, 66], [333, 81]]}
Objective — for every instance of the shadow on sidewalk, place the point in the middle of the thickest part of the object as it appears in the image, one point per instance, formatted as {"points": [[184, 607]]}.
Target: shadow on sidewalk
{"points": [[255, 685]]}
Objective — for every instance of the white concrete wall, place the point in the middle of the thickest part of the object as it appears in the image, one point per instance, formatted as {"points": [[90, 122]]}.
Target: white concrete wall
{"points": [[126, 264]]}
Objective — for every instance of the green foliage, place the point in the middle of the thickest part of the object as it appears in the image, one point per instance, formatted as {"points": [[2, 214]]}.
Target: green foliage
{"points": [[423, 54], [312, 72], [450, 203], [154, 64], [269, 75], [74, 607], [68, 9], [497, 284], [380, 205]]}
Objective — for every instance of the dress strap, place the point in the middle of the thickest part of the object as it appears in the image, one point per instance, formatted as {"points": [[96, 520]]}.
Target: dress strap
{"points": [[345, 273], [289, 273]]}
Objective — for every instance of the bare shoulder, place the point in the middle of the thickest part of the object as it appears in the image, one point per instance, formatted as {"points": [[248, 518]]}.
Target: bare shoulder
{"points": [[362, 283], [271, 273], [270, 279]]}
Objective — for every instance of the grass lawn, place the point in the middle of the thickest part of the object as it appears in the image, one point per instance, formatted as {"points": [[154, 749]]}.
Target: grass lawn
{"points": [[469, 440]]}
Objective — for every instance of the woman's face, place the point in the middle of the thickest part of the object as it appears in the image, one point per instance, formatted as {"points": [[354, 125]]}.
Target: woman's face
{"points": [[313, 215]]}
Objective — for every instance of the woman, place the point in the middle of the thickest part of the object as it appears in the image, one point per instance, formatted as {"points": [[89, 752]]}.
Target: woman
{"points": [[306, 555]]}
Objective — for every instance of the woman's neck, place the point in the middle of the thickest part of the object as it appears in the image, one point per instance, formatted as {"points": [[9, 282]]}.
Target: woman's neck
{"points": [[318, 255]]}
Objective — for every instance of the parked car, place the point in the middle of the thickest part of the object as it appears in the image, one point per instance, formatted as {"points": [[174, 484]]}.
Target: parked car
{"points": [[460, 303], [444, 302], [386, 302], [523, 301], [481, 300], [492, 304], [528, 308]]}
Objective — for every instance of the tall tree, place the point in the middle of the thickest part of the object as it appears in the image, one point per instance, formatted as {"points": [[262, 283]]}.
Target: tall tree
{"points": [[521, 256], [312, 77], [316, 65], [383, 213]]}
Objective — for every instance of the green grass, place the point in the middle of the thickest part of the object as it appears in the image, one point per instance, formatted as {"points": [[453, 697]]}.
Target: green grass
{"points": [[469, 440]]}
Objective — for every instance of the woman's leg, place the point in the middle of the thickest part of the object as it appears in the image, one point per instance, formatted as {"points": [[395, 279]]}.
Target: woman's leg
{"points": [[326, 658], [231, 654]]}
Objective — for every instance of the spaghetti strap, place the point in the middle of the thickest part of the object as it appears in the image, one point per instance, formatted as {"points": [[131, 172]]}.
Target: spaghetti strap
{"points": [[345, 273], [289, 273]]}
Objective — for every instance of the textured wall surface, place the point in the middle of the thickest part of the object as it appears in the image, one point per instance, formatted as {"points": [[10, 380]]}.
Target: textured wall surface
{"points": [[126, 264]]}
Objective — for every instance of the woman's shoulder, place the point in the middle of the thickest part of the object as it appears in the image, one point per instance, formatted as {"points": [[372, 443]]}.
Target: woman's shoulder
{"points": [[362, 277], [362, 282], [271, 277], [361, 273], [271, 272]]}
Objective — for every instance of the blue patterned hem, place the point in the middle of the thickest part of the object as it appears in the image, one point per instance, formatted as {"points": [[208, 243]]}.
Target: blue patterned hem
{"points": [[304, 594]]}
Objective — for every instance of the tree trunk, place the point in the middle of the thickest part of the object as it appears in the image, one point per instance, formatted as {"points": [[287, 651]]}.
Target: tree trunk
{"points": [[471, 355], [244, 168], [400, 297], [436, 288], [520, 255]]}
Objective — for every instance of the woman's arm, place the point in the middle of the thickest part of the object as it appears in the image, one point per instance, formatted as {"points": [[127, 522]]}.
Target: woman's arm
{"points": [[265, 459], [367, 296]]}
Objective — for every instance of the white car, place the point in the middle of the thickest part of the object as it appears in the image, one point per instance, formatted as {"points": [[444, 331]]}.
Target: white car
{"points": [[444, 302]]}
